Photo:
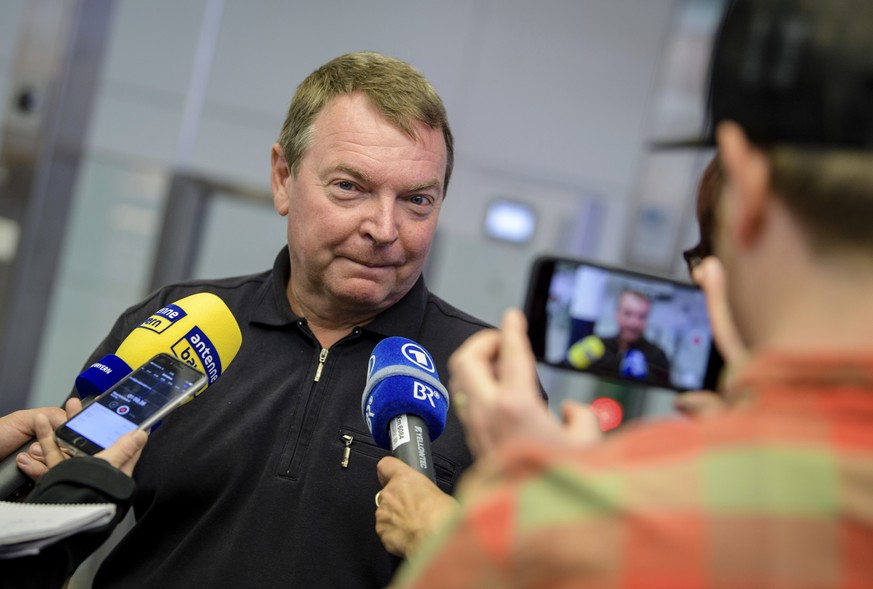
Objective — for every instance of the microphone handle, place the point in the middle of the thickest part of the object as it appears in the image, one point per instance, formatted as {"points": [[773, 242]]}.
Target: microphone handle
{"points": [[14, 484], [410, 442]]}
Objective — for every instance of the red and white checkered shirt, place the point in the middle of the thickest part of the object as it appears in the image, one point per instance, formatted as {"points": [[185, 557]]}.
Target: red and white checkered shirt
{"points": [[776, 493]]}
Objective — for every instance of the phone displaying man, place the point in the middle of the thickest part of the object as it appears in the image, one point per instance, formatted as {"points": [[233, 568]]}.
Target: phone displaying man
{"points": [[628, 352]]}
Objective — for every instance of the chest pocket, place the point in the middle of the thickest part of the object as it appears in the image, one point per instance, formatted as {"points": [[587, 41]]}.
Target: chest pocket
{"points": [[357, 449]]}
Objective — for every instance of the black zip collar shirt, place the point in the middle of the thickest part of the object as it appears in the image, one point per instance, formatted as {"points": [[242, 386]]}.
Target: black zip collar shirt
{"points": [[267, 479]]}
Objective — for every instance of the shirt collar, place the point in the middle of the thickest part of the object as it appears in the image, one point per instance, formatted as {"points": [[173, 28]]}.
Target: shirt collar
{"points": [[798, 372]]}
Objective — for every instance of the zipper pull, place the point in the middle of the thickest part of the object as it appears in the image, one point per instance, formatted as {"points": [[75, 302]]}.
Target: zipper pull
{"points": [[347, 451], [321, 358]]}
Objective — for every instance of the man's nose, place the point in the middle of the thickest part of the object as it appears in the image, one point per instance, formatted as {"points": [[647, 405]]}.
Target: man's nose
{"points": [[380, 224]]}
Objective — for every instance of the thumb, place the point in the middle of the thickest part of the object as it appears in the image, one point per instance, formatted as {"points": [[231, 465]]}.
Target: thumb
{"points": [[387, 468], [125, 451], [709, 275]]}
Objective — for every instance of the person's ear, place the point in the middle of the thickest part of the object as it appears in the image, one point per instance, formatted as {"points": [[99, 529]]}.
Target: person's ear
{"points": [[280, 173], [747, 173]]}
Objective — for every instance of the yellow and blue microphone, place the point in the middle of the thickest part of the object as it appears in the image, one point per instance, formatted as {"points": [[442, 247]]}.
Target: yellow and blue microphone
{"points": [[198, 329]]}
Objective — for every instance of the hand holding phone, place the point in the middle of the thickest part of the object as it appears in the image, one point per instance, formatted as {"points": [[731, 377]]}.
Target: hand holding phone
{"points": [[122, 454], [139, 401], [497, 397], [620, 325]]}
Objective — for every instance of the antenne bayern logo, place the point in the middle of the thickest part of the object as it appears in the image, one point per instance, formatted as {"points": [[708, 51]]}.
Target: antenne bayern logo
{"points": [[163, 318], [196, 350]]}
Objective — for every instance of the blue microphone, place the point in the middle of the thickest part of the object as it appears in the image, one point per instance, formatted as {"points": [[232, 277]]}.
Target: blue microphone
{"points": [[634, 365], [404, 403]]}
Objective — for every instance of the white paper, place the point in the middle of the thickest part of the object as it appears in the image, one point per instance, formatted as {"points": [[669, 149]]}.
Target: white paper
{"points": [[25, 528]]}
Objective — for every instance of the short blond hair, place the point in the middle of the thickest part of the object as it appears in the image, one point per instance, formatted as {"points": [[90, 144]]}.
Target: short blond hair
{"points": [[398, 91]]}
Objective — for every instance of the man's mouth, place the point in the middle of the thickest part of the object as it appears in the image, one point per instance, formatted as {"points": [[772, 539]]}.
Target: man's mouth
{"points": [[375, 264]]}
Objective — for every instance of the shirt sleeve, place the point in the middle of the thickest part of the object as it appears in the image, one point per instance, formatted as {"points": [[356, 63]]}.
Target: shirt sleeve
{"points": [[470, 551]]}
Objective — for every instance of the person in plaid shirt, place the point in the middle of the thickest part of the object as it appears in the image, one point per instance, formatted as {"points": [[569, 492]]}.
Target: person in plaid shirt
{"points": [[777, 489]]}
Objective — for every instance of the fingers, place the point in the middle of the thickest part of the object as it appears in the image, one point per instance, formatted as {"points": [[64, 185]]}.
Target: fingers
{"points": [[388, 467], [30, 466], [72, 407], [471, 366], [496, 372], [472, 378], [125, 452], [55, 415], [45, 433], [700, 404], [42, 454], [410, 506], [581, 425], [392, 524], [709, 274], [517, 364]]}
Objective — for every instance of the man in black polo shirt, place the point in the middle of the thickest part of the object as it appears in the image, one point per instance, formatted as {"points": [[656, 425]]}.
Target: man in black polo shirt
{"points": [[246, 486]]}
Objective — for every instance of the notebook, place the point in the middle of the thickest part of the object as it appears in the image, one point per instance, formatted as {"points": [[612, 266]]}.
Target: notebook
{"points": [[25, 528]]}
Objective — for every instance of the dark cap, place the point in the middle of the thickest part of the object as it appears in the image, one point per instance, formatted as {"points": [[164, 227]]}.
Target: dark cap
{"points": [[793, 72]]}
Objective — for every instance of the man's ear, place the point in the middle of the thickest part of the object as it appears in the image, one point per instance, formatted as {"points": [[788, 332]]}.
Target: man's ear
{"points": [[747, 171], [280, 173]]}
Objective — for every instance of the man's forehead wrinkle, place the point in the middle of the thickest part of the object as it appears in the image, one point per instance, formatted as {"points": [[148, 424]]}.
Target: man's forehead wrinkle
{"points": [[353, 171], [358, 173]]}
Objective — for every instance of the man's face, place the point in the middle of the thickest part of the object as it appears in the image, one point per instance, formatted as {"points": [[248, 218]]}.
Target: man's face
{"points": [[632, 313], [362, 209]]}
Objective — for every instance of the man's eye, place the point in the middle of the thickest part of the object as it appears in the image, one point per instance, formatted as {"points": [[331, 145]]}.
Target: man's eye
{"points": [[345, 185], [419, 199]]}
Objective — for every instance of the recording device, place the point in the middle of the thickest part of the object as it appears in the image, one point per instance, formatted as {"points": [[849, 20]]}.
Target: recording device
{"points": [[404, 403], [138, 401], [199, 329], [620, 325]]}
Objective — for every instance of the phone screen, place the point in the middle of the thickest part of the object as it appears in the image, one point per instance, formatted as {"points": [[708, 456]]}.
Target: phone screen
{"points": [[621, 325], [139, 400]]}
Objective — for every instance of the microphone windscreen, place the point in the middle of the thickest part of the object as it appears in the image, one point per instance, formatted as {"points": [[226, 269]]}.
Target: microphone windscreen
{"points": [[402, 379], [586, 352], [634, 365], [198, 329]]}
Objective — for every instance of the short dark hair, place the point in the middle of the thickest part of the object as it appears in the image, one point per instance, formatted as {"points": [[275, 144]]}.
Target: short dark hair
{"points": [[797, 76]]}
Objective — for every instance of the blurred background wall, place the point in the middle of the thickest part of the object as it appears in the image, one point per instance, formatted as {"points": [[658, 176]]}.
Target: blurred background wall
{"points": [[140, 105]]}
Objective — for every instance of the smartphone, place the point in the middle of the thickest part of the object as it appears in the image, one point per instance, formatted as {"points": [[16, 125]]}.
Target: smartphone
{"points": [[138, 401], [620, 325]]}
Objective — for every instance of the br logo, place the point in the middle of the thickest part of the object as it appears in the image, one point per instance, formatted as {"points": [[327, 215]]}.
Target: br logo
{"points": [[422, 392], [416, 354]]}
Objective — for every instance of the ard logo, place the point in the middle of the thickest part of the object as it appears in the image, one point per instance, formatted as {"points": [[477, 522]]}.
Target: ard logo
{"points": [[370, 365], [416, 354]]}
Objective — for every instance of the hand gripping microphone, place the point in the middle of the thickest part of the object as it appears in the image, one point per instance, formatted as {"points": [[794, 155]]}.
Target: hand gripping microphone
{"points": [[404, 403], [199, 329]]}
